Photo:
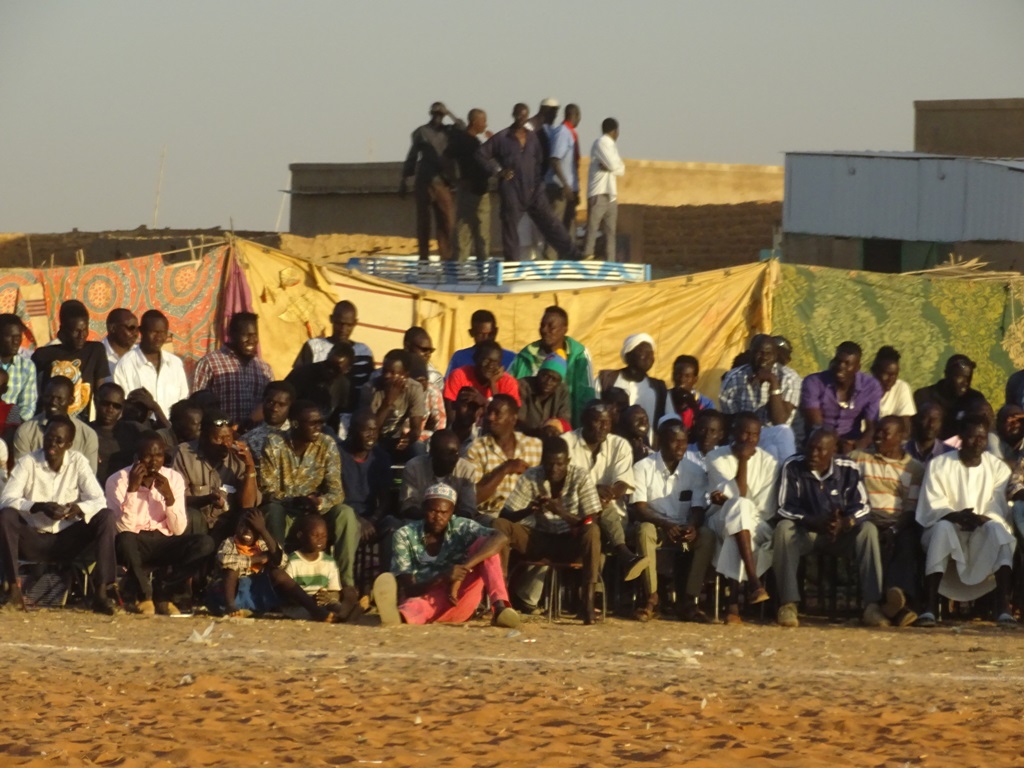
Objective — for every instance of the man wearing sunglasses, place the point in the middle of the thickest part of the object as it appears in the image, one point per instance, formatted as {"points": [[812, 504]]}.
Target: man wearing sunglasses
{"points": [[117, 439], [122, 335]]}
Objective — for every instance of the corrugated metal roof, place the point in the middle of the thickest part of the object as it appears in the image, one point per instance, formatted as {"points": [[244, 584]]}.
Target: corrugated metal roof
{"points": [[904, 196]]}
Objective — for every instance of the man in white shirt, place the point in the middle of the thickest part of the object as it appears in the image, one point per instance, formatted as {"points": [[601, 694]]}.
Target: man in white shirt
{"points": [[741, 483], [51, 509], [668, 502], [148, 366], [602, 190], [149, 501], [968, 536], [122, 335], [609, 460]]}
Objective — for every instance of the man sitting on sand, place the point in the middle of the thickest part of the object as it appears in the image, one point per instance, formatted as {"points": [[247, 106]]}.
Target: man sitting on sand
{"points": [[443, 565], [824, 506], [968, 535]]}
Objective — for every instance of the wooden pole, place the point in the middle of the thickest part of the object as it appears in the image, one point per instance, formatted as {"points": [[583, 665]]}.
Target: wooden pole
{"points": [[159, 184]]}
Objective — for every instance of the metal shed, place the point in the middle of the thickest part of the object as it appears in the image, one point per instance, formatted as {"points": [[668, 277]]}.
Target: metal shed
{"points": [[925, 202]]}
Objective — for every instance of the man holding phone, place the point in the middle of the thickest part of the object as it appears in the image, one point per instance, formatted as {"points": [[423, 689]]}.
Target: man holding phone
{"points": [[220, 477], [149, 500]]}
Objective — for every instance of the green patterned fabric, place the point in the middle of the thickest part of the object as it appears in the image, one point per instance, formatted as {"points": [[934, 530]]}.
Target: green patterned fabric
{"points": [[926, 319]]}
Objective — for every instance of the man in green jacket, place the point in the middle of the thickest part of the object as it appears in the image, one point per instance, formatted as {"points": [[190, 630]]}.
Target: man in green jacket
{"points": [[580, 370]]}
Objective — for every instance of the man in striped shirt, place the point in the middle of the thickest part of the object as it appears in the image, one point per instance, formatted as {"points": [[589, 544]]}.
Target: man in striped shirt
{"points": [[823, 506], [892, 479]]}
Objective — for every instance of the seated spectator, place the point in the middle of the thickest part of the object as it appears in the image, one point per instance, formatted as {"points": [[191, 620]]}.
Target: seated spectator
{"points": [[366, 477], [220, 477], [543, 396], [441, 465], [300, 474], [608, 459], [316, 573], [950, 393], [467, 416], [186, 422], [55, 401], [483, 327], [435, 416], [122, 335], [617, 401], [486, 376], [150, 367], [252, 579], [278, 398], [924, 443], [707, 434], [741, 483], [5, 408], [1010, 431], [978, 406], [683, 399], [897, 399], [52, 510], [149, 501], [328, 383], [344, 319], [562, 505], [235, 372], [117, 440], [768, 388], [444, 565], [892, 479], [579, 376], [1014, 394], [500, 455], [643, 390], [668, 505], [634, 428], [398, 404], [842, 399], [417, 342], [824, 507], [72, 356], [21, 391], [967, 537]]}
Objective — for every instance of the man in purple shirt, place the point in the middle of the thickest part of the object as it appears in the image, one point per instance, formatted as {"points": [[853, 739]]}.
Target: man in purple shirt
{"points": [[515, 156], [842, 399]]}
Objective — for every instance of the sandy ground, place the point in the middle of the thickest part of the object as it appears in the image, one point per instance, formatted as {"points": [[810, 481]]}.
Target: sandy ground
{"points": [[130, 691]]}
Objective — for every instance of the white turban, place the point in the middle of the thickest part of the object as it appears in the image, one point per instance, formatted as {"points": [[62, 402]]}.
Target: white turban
{"points": [[634, 341]]}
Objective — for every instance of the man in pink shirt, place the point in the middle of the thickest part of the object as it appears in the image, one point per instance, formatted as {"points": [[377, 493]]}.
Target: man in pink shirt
{"points": [[487, 376], [149, 501]]}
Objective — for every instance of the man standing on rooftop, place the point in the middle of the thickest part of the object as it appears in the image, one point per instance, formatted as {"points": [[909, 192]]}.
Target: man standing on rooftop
{"points": [[434, 174], [516, 157]]}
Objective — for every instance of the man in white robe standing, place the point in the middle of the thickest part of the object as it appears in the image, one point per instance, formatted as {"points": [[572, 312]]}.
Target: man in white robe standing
{"points": [[968, 535], [742, 480]]}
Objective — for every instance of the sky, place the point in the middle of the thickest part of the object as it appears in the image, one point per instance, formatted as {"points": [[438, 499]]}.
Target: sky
{"points": [[235, 90]]}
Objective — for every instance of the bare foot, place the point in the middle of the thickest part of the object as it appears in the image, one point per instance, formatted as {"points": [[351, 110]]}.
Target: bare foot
{"points": [[15, 599], [239, 613]]}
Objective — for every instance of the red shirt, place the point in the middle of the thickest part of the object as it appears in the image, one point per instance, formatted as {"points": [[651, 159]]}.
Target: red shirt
{"points": [[466, 377]]}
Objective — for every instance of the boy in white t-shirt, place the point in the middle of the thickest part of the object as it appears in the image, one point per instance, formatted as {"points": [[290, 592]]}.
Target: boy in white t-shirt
{"points": [[317, 573]]}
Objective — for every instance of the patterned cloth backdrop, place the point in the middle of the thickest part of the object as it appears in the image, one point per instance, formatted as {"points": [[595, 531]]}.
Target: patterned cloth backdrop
{"points": [[187, 293], [926, 319]]}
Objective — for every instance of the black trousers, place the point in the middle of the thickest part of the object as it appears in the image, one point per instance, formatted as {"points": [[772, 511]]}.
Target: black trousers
{"points": [[534, 203], [141, 552], [21, 541]]}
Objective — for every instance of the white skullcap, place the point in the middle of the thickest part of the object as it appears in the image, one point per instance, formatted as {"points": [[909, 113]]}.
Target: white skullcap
{"points": [[634, 341], [550, 103]]}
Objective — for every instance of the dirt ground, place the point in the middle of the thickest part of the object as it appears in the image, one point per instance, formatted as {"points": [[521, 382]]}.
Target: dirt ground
{"points": [[134, 691]]}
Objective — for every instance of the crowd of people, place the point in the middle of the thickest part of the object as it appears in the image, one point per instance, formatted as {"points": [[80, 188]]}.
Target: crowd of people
{"points": [[535, 163], [453, 493]]}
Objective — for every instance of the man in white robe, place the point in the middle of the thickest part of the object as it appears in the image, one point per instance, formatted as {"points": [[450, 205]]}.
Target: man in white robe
{"points": [[968, 535], [742, 480]]}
